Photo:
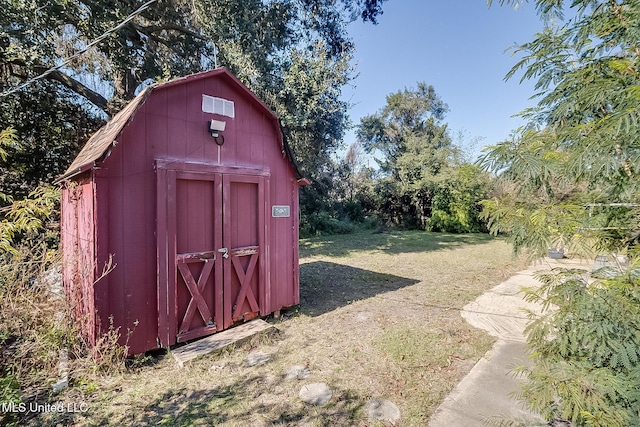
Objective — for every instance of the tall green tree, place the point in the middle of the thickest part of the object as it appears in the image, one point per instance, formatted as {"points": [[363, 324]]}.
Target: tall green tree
{"points": [[115, 48], [573, 175], [409, 134], [163, 38], [577, 162], [420, 163], [409, 125]]}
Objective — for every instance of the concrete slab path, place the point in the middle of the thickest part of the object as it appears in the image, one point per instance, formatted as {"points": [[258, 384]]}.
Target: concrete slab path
{"points": [[485, 393]]}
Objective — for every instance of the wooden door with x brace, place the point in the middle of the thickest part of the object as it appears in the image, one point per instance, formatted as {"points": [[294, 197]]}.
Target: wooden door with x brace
{"points": [[211, 251]]}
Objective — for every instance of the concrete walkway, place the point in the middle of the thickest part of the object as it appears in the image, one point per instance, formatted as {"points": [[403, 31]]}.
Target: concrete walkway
{"points": [[485, 393]]}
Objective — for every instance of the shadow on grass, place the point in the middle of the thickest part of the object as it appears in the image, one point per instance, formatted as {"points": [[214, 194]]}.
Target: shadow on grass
{"points": [[249, 401], [391, 243], [325, 286]]}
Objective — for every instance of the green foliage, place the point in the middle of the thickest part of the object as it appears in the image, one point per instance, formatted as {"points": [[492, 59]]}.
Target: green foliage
{"points": [[7, 139], [570, 179], [455, 206], [312, 113], [424, 185], [320, 223], [49, 128], [586, 347], [342, 198], [26, 221], [409, 133], [581, 145], [9, 394]]}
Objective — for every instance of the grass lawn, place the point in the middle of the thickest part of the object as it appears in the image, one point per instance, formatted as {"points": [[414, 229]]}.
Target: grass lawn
{"points": [[379, 318]]}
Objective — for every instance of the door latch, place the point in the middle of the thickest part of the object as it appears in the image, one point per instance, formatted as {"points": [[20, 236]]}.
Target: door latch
{"points": [[224, 252]]}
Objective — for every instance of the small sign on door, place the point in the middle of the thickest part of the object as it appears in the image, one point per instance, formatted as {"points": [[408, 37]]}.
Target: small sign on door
{"points": [[280, 211]]}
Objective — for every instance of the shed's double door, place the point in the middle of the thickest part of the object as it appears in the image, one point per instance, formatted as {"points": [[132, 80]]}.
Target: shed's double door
{"points": [[211, 229]]}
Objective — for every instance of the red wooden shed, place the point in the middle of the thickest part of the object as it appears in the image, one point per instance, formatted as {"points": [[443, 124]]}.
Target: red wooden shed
{"points": [[180, 215]]}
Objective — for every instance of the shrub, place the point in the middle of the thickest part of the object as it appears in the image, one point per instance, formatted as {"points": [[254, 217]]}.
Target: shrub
{"points": [[35, 325], [586, 348], [322, 223], [31, 333]]}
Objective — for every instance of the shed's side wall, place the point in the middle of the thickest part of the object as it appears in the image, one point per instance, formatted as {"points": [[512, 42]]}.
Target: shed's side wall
{"points": [[171, 125], [78, 250]]}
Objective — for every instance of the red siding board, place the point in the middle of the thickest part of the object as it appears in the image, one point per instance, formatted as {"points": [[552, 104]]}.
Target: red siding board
{"points": [[171, 249], [177, 141], [248, 119], [193, 100], [156, 132], [177, 102], [103, 254], [210, 148], [257, 149], [243, 149], [86, 249], [115, 314], [195, 142], [135, 230], [211, 87], [77, 246], [157, 103]]}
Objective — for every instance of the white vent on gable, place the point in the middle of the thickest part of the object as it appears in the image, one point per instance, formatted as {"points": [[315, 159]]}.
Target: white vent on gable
{"points": [[212, 104]]}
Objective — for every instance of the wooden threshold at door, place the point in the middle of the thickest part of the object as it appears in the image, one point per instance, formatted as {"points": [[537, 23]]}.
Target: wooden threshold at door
{"points": [[217, 341]]}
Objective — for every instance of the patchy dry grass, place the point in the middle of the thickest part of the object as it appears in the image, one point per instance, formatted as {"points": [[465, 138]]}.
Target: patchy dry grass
{"points": [[379, 318]]}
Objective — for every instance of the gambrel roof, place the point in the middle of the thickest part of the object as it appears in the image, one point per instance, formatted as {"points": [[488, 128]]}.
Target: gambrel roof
{"points": [[98, 146]]}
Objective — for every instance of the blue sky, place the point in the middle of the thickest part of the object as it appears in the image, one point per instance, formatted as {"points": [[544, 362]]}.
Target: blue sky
{"points": [[458, 46]]}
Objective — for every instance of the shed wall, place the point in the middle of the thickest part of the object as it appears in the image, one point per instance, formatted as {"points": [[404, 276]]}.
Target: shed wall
{"points": [[171, 125], [78, 248]]}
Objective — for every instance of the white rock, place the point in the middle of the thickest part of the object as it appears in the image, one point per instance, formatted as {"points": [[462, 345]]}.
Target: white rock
{"points": [[297, 371], [315, 393], [381, 409]]}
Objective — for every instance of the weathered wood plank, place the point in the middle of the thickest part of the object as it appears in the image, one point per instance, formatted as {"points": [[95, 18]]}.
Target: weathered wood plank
{"points": [[196, 256], [196, 333], [217, 341], [247, 250]]}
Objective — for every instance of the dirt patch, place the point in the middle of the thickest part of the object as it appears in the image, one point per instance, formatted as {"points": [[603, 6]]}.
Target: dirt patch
{"points": [[379, 319]]}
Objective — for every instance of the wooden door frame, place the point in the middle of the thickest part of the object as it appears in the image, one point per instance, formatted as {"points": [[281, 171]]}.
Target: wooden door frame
{"points": [[168, 171]]}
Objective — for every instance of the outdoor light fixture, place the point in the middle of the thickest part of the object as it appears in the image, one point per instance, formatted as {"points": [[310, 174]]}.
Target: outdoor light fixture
{"points": [[215, 127]]}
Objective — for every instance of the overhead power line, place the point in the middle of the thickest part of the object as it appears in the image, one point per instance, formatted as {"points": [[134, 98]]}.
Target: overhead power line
{"points": [[80, 52]]}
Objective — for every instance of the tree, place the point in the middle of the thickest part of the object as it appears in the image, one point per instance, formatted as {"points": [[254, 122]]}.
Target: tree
{"points": [[49, 128], [97, 55], [419, 161], [581, 145], [573, 176], [410, 122], [414, 144], [313, 115], [162, 39]]}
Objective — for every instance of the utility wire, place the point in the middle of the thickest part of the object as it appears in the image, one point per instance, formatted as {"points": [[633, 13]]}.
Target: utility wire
{"points": [[80, 52]]}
